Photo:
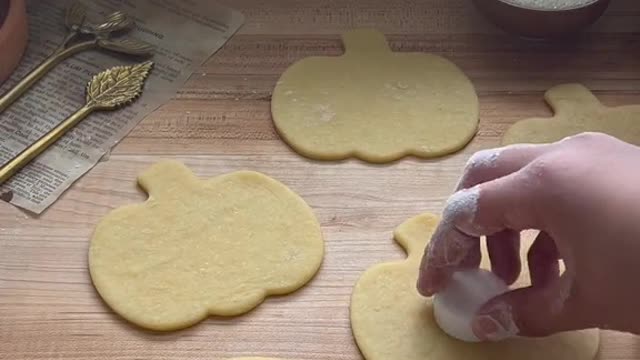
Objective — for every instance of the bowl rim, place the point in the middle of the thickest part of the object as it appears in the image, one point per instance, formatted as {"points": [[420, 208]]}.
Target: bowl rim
{"points": [[541, 10]]}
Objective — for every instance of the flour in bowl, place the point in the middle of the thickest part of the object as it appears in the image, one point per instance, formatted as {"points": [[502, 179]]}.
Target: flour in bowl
{"points": [[550, 4]]}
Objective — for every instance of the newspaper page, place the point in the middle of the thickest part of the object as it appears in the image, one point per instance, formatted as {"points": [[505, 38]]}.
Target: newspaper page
{"points": [[185, 34]]}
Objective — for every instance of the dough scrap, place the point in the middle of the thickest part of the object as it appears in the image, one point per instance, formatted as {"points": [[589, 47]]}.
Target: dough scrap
{"points": [[203, 247], [576, 110], [390, 320], [374, 104]]}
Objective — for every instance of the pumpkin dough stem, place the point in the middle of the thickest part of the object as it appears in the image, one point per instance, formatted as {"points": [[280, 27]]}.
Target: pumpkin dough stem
{"points": [[167, 178], [365, 41], [414, 234], [571, 98]]}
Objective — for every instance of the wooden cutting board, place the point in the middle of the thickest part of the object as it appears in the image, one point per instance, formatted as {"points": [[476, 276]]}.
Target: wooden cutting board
{"points": [[220, 122]]}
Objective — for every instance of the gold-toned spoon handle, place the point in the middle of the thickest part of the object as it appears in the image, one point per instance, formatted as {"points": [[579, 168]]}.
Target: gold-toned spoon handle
{"points": [[108, 90], [99, 38], [49, 63], [35, 149]]}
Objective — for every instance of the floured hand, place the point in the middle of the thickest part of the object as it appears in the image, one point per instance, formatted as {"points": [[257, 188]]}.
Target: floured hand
{"points": [[583, 194]]}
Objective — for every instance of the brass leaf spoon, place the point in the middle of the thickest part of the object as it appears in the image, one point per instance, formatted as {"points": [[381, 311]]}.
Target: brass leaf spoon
{"points": [[99, 36], [107, 90]]}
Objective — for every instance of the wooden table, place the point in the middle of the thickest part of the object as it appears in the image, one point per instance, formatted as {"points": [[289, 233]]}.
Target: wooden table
{"points": [[220, 122]]}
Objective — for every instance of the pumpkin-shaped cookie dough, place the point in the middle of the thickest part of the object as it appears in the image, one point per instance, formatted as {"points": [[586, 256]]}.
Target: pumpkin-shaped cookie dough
{"points": [[576, 110], [374, 104], [390, 320], [203, 247]]}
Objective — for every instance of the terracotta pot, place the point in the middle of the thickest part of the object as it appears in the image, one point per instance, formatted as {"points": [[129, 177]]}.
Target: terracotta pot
{"points": [[13, 35]]}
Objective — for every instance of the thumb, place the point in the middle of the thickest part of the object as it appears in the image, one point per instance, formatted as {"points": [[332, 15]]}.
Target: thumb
{"points": [[530, 311]]}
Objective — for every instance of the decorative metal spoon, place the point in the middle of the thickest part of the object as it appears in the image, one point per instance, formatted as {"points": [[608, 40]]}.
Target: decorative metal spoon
{"points": [[82, 35], [108, 90]]}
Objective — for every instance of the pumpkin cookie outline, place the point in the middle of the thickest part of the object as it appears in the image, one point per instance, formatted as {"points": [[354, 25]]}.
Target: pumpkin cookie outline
{"points": [[390, 320], [374, 104], [576, 110], [142, 271]]}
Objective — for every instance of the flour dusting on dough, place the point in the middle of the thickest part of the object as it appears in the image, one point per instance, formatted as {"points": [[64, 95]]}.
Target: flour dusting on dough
{"points": [[399, 90], [321, 113], [384, 106]]}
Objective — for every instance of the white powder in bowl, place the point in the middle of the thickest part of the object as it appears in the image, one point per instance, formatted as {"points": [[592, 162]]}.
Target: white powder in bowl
{"points": [[550, 4]]}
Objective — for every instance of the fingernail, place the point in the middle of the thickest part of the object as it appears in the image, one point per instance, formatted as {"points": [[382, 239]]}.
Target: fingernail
{"points": [[424, 288], [431, 283], [495, 324], [483, 326]]}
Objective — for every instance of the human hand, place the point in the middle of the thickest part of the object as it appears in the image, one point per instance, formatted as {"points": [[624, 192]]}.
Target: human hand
{"points": [[583, 194]]}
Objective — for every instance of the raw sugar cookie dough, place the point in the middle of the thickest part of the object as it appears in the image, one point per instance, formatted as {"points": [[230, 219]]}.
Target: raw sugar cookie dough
{"points": [[374, 104], [390, 320], [576, 110], [203, 247]]}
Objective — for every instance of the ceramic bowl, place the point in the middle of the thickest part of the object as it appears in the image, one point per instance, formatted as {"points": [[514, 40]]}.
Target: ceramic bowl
{"points": [[13, 35], [540, 24]]}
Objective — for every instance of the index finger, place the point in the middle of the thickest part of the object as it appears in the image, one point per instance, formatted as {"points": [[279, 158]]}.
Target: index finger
{"points": [[450, 248], [455, 243]]}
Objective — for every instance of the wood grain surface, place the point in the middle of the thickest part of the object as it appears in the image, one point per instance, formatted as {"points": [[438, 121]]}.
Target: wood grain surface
{"points": [[220, 122]]}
